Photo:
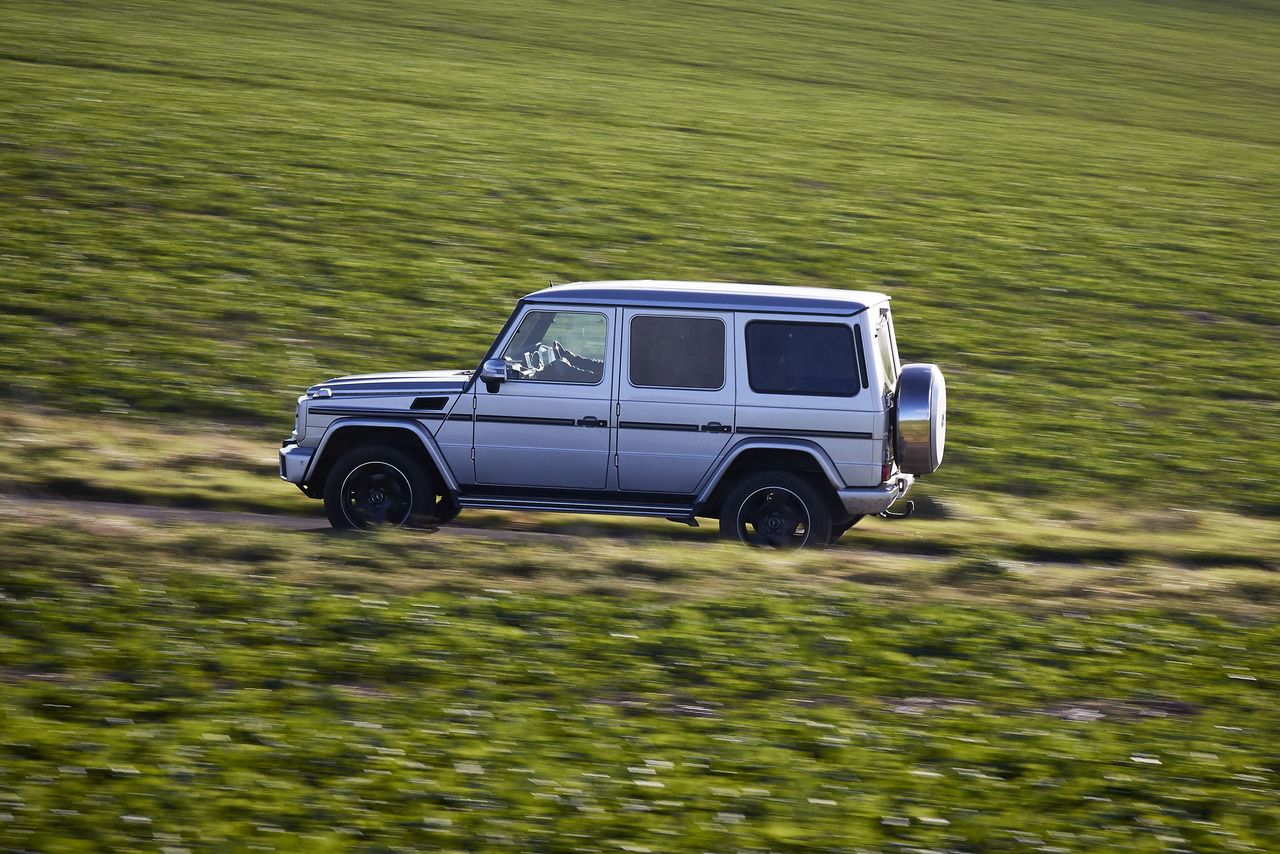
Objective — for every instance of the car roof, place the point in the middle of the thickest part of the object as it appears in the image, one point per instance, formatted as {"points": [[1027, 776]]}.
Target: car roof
{"points": [[723, 296]]}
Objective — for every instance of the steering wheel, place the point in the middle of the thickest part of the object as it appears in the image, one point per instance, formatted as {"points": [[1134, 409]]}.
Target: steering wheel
{"points": [[558, 348]]}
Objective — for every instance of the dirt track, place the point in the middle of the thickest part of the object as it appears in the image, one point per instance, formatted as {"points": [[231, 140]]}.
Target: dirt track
{"points": [[40, 507], [318, 523]]}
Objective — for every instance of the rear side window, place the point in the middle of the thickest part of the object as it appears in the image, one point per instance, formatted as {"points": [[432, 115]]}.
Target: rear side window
{"points": [[677, 352], [801, 358], [888, 349]]}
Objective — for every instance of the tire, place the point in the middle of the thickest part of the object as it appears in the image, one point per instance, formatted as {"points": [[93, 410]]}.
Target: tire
{"points": [[378, 486], [776, 509], [838, 528], [447, 509]]}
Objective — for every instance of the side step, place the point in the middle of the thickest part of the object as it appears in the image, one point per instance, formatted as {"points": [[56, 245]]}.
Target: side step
{"points": [[576, 505]]}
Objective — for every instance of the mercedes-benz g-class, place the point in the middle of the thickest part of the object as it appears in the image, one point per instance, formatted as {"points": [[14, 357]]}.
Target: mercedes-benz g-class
{"points": [[782, 412]]}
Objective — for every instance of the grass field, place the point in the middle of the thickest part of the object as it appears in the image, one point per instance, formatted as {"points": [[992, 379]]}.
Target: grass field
{"points": [[220, 690], [205, 207]]}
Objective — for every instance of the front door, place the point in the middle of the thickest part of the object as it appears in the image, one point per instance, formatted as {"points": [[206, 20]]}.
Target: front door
{"points": [[548, 424], [675, 398]]}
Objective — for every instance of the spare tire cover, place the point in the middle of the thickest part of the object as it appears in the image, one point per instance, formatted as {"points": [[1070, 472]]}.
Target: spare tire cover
{"points": [[922, 418]]}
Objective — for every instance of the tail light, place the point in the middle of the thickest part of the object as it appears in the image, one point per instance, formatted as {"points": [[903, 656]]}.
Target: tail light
{"points": [[885, 471]]}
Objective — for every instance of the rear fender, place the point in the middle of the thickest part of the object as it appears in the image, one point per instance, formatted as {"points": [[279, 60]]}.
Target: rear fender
{"points": [[811, 449]]}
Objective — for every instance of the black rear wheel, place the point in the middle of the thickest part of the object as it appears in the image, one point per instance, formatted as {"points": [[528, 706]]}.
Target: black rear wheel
{"points": [[838, 528], [378, 486], [776, 509]]}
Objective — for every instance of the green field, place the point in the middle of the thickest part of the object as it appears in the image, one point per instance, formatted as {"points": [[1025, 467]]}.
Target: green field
{"points": [[205, 207], [237, 689]]}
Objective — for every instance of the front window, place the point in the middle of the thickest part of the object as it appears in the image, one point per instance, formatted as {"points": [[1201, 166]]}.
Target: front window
{"points": [[558, 346], [802, 358]]}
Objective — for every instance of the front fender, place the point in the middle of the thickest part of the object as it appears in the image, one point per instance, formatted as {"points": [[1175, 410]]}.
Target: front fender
{"points": [[409, 425]]}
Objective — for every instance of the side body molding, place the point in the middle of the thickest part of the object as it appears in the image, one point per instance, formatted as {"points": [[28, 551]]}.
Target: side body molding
{"points": [[813, 449], [406, 424]]}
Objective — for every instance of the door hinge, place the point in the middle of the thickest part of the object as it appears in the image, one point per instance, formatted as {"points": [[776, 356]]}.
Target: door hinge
{"points": [[473, 455], [617, 410], [615, 460], [475, 401]]}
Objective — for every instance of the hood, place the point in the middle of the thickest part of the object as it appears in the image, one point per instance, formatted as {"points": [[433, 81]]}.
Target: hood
{"points": [[408, 382]]}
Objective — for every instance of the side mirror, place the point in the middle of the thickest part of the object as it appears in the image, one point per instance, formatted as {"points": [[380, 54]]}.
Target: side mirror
{"points": [[493, 373]]}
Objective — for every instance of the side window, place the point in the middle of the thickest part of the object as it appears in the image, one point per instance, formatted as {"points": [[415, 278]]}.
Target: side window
{"points": [[888, 349], [677, 352], [801, 358], [557, 346]]}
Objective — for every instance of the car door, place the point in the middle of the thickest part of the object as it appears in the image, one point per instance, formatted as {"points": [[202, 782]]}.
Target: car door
{"points": [[547, 425], [807, 379], [675, 397]]}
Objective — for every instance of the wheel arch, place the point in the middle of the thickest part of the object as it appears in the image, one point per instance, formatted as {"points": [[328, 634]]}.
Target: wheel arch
{"points": [[347, 433], [798, 455]]}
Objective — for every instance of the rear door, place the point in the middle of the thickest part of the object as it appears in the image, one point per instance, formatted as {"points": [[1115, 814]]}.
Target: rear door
{"points": [[675, 397]]}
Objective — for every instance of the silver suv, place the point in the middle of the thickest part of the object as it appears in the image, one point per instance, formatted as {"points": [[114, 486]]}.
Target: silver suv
{"points": [[782, 412]]}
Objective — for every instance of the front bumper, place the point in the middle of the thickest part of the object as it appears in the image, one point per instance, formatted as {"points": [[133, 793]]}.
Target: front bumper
{"points": [[294, 460], [860, 501]]}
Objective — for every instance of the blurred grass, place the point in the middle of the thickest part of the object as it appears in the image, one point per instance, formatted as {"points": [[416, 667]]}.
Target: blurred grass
{"points": [[979, 562], [204, 207], [221, 690], [155, 460]]}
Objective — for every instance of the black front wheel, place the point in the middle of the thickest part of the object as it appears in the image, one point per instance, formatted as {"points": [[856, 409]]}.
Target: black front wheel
{"points": [[378, 487], [776, 509]]}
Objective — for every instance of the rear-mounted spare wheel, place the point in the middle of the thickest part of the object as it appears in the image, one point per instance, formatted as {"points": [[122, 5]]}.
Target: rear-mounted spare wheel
{"points": [[922, 419]]}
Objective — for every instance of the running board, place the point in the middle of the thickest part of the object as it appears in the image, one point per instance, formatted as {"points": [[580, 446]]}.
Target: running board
{"points": [[571, 505]]}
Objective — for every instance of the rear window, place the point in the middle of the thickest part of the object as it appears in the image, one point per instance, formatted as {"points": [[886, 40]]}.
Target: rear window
{"points": [[677, 352], [801, 358], [888, 349]]}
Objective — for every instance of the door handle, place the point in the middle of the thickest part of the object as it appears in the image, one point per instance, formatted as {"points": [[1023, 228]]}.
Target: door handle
{"points": [[591, 421], [716, 427]]}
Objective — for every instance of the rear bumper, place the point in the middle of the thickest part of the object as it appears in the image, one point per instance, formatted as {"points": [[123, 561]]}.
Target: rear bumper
{"points": [[859, 501], [294, 460]]}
